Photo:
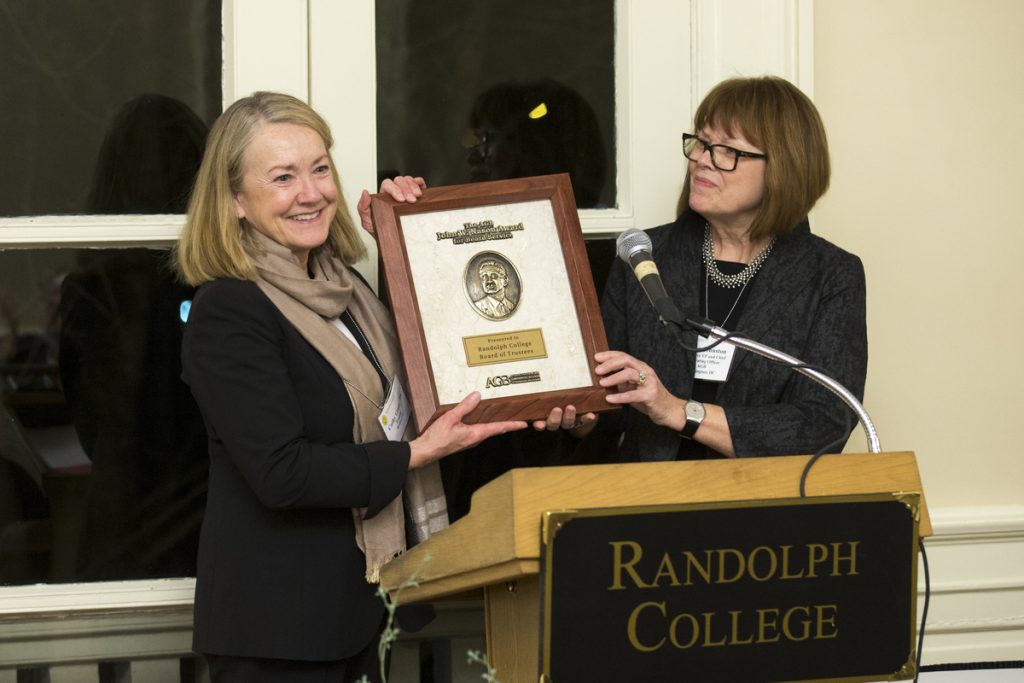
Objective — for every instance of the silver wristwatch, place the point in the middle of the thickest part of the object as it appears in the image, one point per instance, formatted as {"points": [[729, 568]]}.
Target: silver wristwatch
{"points": [[694, 416]]}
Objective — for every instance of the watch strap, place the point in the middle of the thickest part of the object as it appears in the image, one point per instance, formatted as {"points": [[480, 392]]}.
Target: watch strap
{"points": [[692, 422]]}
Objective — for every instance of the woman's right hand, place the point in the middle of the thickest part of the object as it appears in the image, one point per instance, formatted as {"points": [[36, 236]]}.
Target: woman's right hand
{"points": [[404, 188], [449, 434]]}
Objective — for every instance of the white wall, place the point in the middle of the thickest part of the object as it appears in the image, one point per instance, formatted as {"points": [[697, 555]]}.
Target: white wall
{"points": [[924, 105]]}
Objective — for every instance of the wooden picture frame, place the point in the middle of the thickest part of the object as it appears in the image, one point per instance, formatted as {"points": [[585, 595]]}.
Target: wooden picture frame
{"points": [[527, 347]]}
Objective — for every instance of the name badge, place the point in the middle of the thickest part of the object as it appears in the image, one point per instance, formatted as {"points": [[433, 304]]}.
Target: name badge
{"points": [[713, 365], [394, 415]]}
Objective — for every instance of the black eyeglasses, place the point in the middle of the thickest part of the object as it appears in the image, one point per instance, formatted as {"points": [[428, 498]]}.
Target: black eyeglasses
{"points": [[723, 157]]}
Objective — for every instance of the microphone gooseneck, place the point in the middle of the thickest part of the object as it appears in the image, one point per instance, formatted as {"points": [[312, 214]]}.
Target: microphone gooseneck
{"points": [[716, 333]]}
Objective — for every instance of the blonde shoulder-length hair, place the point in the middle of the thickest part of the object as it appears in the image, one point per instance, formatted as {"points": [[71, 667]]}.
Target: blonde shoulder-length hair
{"points": [[778, 118], [212, 242]]}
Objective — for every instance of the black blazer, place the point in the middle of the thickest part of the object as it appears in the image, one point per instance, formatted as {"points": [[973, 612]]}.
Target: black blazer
{"points": [[279, 573], [808, 300]]}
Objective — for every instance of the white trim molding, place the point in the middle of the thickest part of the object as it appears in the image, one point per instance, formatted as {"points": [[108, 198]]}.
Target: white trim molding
{"points": [[90, 231], [752, 38], [57, 624], [266, 47], [976, 563], [62, 599]]}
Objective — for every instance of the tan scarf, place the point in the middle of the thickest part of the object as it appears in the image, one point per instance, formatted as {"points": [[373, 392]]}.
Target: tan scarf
{"points": [[311, 304]]}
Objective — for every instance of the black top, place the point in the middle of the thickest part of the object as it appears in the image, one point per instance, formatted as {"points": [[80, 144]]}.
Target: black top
{"points": [[807, 300], [724, 306], [279, 572]]}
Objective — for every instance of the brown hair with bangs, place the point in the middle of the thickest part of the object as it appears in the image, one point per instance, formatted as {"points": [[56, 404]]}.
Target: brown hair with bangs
{"points": [[779, 119], [212, 244]]}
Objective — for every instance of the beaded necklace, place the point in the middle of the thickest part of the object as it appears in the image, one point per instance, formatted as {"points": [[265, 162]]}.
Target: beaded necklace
{"points": [[741, 278]]}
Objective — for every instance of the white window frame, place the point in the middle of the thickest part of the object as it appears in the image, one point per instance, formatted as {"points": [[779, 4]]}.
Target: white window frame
{"points": [[265, 48], [668, 54]]}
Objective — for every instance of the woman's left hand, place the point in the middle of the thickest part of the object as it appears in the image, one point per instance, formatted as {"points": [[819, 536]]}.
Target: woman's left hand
{"points": [[638, 385], [449, 434], [405, 188]]}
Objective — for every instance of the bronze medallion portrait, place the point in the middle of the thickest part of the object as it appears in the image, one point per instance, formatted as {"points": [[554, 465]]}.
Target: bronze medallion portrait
{"points": [[493, 285]]}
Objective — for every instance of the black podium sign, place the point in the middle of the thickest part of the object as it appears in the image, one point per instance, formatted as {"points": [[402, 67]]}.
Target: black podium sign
{"points": [[803, 589]]}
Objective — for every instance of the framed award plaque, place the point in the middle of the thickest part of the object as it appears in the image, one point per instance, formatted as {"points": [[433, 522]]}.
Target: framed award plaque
{"points": [[491, 291]]}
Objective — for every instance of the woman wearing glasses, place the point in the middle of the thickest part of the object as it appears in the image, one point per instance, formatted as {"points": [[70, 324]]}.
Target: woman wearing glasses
{"points": [[741, 253]]}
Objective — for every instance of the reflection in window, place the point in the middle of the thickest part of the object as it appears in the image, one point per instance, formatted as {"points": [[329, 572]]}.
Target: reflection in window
{"points": [[72, 70], [102, 450], [490, 90], [148, 159]]}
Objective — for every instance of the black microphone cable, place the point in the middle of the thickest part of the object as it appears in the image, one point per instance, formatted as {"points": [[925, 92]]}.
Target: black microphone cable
{"points": [[924, 609]]}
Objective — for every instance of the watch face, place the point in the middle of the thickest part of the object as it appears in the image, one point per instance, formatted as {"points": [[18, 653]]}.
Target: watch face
{"points": [[694, 410]]}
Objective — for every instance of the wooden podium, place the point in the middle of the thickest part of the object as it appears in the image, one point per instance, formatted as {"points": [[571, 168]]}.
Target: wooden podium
{"points": [[495, 549]]}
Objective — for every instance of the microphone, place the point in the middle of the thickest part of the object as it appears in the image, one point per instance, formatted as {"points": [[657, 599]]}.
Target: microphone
{"points": [[634, 247]]}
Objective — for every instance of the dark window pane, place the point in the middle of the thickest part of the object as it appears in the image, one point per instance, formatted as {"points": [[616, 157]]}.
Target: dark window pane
{"points": [[102, 450], [487, 90], [72, 74]]}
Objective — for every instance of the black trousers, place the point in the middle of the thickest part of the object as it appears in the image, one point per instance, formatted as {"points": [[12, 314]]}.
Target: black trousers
{"points": [[225, 669]]}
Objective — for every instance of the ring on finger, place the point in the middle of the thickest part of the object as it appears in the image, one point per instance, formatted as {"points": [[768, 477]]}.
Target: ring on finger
{"points": [[641, 378]]}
